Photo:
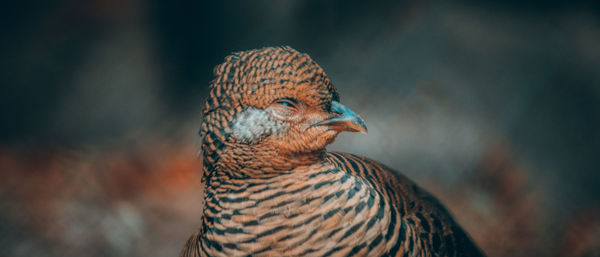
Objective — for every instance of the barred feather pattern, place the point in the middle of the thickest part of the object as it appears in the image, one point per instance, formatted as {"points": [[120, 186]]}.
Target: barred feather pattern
{"points": [[345, 206], [271, 189]]}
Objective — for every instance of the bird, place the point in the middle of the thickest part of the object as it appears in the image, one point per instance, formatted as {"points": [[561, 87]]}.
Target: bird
{"points": [[272, 188]]}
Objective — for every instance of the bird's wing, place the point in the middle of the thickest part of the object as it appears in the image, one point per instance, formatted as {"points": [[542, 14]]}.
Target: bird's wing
{"points": [[428, 219]]}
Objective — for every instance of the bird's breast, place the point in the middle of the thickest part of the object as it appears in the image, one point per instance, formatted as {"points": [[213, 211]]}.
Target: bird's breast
{"points": [[317, 210]]}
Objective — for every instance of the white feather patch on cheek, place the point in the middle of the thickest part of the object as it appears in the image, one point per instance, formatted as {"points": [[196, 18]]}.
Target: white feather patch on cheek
{"points": [[254, 123]]}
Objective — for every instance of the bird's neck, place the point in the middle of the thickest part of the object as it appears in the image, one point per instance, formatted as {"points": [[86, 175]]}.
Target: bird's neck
{"points": [[258, 163], [225, 190]]}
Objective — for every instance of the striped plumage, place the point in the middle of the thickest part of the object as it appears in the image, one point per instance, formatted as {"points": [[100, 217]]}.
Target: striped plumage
{"points": [[273, 190]]}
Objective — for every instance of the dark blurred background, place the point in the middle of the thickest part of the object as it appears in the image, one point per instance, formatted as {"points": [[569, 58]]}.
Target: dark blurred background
{"points": [[492, 106]]}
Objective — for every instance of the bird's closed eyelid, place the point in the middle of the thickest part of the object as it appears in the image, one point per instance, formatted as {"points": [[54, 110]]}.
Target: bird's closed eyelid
{"points": [[286, 107], [287, 102]]}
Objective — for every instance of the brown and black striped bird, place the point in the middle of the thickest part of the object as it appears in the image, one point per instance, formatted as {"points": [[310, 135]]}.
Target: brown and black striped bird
{"points": [[273, 190]]}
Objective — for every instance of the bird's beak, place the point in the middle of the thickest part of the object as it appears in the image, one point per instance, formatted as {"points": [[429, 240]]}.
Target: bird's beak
{"points": [[347, 120]]}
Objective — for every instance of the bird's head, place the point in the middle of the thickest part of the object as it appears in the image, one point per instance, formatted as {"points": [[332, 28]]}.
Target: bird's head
{"points": [[271, 108]]}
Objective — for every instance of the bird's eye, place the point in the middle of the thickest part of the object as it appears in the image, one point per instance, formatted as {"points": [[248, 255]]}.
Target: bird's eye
{"points": [[285, 107], [290, 103]]}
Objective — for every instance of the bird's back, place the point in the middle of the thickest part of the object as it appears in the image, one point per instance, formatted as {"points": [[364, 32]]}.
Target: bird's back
{"points": [[424, 226]]}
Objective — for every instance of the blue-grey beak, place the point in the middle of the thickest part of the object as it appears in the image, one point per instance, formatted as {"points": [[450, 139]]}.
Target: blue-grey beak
{"points": [[347, 120]]}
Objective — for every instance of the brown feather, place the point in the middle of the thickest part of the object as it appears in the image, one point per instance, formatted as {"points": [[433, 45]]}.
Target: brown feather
{"points": [[273, 190]]}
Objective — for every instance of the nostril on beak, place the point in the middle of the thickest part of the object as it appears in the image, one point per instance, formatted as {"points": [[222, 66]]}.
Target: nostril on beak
{"points": [[337, 110]]}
